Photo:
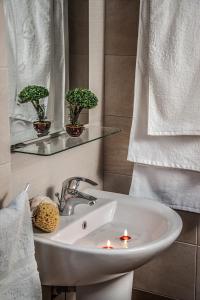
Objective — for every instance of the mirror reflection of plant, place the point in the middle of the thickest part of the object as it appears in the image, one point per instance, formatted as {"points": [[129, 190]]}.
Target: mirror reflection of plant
{"points": [[33, 94], [78, 99]]}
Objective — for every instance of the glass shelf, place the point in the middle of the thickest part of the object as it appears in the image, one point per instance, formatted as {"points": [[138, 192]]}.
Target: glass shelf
{"points": [[61, 141]]}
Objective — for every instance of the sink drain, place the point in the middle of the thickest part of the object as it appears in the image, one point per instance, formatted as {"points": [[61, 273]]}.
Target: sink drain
{"points": [[84, 225]]}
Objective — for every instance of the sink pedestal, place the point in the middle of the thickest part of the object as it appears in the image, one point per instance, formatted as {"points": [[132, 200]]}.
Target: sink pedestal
{"points": [[115, 289]]}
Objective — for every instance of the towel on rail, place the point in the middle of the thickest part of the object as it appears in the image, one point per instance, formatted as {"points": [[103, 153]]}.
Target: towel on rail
{"points": [[166, 151], [174, 67], [179, 189]]}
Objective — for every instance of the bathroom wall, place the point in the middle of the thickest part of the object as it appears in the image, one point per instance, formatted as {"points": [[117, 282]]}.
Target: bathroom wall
{"points": [[45, 174], [176, 273], [79, 47]]}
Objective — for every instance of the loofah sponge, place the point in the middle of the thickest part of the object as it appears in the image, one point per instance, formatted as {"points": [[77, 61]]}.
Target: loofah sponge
{"points": [[46, 216], [35, 201]]}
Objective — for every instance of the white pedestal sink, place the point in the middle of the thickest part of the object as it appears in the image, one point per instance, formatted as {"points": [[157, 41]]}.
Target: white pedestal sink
{"points": [[73, 255]]}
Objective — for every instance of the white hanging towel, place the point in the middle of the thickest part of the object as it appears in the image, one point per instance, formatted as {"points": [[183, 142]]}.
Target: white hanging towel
{"points": [[19, 278], [166, 151], [174, 67], [179, 189]]}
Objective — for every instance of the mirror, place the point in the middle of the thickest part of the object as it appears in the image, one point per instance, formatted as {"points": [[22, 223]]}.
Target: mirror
{"points": [[48, 46]]}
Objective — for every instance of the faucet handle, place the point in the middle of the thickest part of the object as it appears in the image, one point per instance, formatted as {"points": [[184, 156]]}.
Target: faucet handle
{"points": [[73, 182], [86, 180]]}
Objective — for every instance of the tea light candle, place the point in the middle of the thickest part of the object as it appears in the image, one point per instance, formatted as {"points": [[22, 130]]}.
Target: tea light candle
{"points": [[108, 246], [125, 237]]}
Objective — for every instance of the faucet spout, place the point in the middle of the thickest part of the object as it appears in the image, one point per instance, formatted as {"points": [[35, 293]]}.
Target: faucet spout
{"points": [[71, 197], [86, 196]]}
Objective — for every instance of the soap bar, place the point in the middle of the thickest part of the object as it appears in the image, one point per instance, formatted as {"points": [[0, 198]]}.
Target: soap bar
{"points": [[46, 216]]}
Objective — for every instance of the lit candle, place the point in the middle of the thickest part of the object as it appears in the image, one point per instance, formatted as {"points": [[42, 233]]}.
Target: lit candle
{"points": [[108, 245], [125, 237]]}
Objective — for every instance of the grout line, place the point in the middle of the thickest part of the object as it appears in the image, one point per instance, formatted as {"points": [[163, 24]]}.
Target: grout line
{"points": [[129, 55], [158, 294], [114, 173], [185, 243], [79, 54], [118, 116], [117, 174], [196, 270]]}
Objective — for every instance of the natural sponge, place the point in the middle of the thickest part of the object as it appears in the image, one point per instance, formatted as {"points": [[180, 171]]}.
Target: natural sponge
{"points": [[46, 217], [35, 201]]}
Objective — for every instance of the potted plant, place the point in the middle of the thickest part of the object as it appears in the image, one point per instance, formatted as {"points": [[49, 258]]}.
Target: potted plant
{"points": [[78, 99], [33, 94]]}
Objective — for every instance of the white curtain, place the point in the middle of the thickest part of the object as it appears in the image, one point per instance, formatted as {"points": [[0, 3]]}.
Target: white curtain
{"points": [[37, 46]]}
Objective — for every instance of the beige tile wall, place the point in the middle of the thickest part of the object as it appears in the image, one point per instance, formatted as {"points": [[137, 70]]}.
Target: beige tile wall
{"points": [[173, 274], [120, 52], [79, 47], [46, 174], [96, 57]]}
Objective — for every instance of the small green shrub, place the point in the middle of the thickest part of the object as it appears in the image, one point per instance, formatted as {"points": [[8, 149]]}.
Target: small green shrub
{"points": [[33, 94], [78, 99]]}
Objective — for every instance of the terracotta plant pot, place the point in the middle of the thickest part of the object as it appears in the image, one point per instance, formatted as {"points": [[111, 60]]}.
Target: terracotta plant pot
{"points": [[42, 127], [74, 130]]}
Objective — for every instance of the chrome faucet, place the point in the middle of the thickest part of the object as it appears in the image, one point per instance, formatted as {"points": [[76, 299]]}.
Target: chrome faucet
{"points": [[70, 196]]}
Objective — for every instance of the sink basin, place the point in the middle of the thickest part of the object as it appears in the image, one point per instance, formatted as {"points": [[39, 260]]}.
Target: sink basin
{"points": [[73, 255]]}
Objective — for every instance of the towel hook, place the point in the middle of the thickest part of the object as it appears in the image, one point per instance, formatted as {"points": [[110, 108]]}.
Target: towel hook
{"points": [[27, 187]]}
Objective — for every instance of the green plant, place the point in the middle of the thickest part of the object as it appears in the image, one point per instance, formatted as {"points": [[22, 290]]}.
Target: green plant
{"points": [[78, 99], [33, 94]]}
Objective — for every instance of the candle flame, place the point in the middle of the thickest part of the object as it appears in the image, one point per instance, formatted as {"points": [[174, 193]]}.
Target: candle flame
{"points": [[108, 244], [125, 232]]}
